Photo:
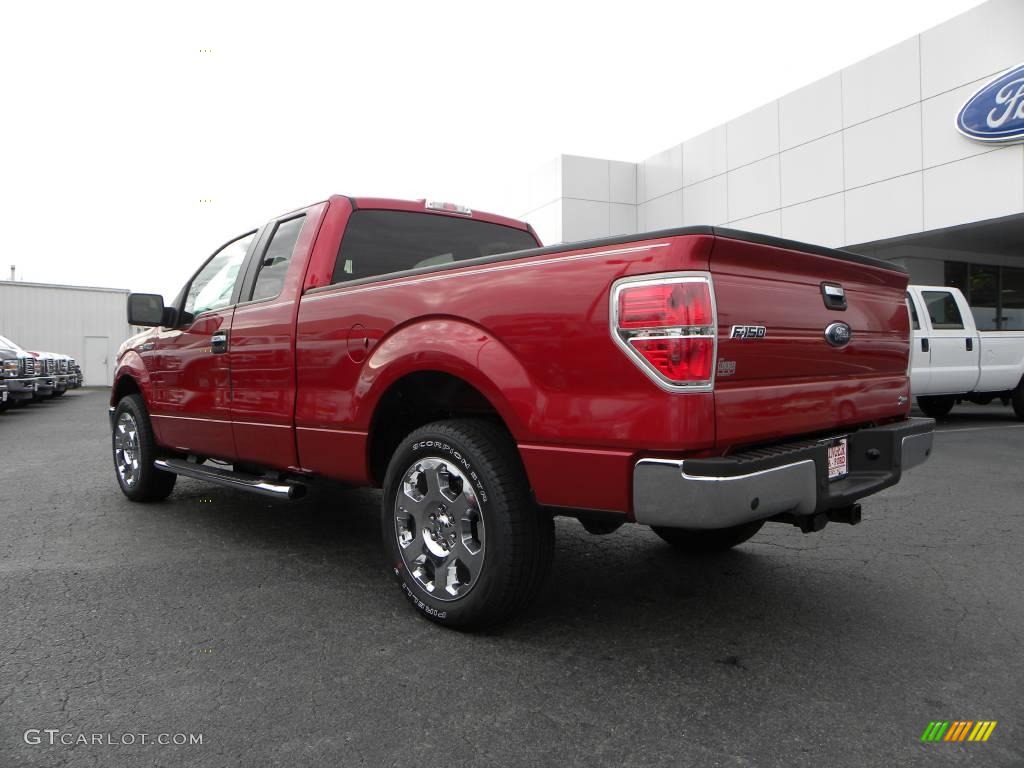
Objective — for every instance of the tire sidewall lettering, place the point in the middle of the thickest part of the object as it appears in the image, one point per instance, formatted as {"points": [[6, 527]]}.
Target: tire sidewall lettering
{"points": [[430, 444]]}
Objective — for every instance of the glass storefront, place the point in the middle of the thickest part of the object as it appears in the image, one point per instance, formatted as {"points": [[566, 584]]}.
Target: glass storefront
{"points": [[996, 294]]}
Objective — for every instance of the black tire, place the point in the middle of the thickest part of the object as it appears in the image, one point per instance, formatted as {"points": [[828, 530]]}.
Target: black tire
{"points": [[936, 406], [1017, 401], [706, 541], [60, 393], [145, 482], [518, 543]]}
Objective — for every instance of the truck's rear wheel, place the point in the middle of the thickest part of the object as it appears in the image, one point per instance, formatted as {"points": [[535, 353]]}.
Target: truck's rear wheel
{"points": [[1017, 400], [134, 450], [469, 546], [936, 406], [703, 541]]}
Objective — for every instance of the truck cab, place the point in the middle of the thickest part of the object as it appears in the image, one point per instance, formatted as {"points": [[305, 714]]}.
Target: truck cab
{"points": [[952, 361]]}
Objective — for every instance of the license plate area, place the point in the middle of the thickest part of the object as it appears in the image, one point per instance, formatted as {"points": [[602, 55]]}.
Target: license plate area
{"points": [[838, 458]]}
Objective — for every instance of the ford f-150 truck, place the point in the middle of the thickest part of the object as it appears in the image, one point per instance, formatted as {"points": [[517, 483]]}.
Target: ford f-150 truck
{"points": [[953, 361], [700, 381], [19, 375]]}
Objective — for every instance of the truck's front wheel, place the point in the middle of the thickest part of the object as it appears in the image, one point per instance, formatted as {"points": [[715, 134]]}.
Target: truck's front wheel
{"points": [[134, 449], [1017, 400], [704, 541], [462, 533], [936, 406]]}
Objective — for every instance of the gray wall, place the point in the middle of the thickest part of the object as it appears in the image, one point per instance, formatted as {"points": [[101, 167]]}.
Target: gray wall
{"points": [[68, 320]]}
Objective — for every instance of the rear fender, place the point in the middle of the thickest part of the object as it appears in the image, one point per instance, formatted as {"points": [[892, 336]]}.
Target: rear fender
{"points": [[453, 346]]}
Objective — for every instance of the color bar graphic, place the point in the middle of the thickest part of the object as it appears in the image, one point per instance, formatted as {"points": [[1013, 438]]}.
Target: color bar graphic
{"points": [[958, 730]]}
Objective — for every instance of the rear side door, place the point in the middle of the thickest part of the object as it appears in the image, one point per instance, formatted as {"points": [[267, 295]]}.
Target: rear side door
{"points": [[262, 350], [955, 354], [190, 370], [920, 350]]}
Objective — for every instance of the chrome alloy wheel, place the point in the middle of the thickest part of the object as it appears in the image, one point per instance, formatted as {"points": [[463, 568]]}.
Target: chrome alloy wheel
{"points": [[439, 528], [126, 449]]}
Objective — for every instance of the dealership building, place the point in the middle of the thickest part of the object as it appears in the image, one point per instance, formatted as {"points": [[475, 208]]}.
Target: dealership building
{"points": [[870, 159]]}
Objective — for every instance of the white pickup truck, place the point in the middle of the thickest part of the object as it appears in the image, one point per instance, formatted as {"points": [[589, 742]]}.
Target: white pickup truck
{"points": [[953, 361]]}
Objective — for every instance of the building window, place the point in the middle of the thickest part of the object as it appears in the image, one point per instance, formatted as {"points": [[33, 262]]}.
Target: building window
{"points": [[995, 294]]}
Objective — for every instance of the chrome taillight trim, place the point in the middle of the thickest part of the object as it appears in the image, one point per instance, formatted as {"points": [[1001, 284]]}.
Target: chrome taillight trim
{"points": [[622, 336]]}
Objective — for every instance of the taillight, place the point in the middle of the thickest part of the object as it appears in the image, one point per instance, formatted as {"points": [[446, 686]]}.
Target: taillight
{"points": [[667, 325]]}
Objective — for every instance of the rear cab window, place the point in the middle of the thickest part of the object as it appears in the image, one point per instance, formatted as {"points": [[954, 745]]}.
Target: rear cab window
{"points": [[273, 266], [378, 243], [943, 312]]}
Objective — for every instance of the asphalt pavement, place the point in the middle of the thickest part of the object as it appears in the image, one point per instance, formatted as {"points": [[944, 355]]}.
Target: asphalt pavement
{"points": [[274, 633]]}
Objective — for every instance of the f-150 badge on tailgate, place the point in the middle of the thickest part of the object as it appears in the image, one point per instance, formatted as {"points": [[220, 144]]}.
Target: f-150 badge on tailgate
{"points": [[748, 332]]}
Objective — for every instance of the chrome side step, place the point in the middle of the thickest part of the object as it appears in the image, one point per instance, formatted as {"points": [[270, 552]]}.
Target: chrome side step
{"points": [[239, 480]]}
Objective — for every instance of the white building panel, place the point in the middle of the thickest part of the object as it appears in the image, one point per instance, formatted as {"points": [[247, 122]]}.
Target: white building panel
{"points": [[661, 174], [754, 188], [766, 224], [980, 43], [812, 170], [943, 144], [813, 111], [885, 147], [585, 178], [584, 219], [622, 182], [705, 156], [622, 219], [706, 202], [886, 209], [753, 136], [887, 81], [818, 221], [661, 213], [981, 187]]}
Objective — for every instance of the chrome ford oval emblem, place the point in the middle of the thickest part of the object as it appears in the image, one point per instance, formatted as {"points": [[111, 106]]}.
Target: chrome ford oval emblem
{"points": [[996, 111], [838, 334]]}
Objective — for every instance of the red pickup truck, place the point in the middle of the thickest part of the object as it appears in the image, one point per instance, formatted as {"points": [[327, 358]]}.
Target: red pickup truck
{"points": [[701, 381]]}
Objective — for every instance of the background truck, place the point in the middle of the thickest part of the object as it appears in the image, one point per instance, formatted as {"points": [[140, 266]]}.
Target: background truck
{"points": [[953, 361], [700, 381]]}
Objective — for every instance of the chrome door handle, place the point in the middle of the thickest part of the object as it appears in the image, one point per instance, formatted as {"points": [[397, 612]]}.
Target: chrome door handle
{"points": [[219, 343]]}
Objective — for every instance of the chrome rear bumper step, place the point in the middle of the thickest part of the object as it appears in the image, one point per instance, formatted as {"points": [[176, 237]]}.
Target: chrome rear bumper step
{"points": [[279, 489]]}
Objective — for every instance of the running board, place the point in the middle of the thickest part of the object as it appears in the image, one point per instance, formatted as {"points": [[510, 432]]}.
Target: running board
{"points": [[232, 479]]}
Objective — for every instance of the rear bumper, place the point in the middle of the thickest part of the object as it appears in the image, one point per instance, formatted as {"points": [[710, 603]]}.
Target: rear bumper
{"points": [[793, 479]]}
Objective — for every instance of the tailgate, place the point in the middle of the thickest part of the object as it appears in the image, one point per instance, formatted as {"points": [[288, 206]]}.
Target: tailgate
{"points": [[789, 378]]}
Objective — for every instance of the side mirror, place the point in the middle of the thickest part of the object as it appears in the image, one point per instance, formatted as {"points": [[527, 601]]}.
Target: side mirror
{"points": [[145, 309]]}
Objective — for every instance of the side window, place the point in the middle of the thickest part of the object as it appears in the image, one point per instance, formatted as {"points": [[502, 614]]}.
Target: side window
{"points": [[274, 266], [212, 286], [915, 324], [943, 311]]}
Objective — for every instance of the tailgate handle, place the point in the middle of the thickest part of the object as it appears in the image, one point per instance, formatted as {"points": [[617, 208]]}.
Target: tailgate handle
{"points": [[924, 345], [970, 344], [834, 296]]}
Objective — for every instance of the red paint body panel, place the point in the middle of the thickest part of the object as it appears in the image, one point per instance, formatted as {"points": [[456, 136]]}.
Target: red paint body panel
{"points": [[306, 372], [190, 403], [792, 380], [262, 360]]}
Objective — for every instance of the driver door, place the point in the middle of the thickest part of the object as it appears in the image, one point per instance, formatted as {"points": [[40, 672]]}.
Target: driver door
{"points": [[191, 373]]}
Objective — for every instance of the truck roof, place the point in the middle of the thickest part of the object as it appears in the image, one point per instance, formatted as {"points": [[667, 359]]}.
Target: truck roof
{"points": [[420, 206]]}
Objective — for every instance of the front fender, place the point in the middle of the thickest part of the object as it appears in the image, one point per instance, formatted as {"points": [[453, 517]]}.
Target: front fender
{"points": [[131, 366], [456, 347]]}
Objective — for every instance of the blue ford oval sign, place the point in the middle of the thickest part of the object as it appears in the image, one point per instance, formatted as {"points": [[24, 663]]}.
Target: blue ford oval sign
{"points": [[996, 112]]}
